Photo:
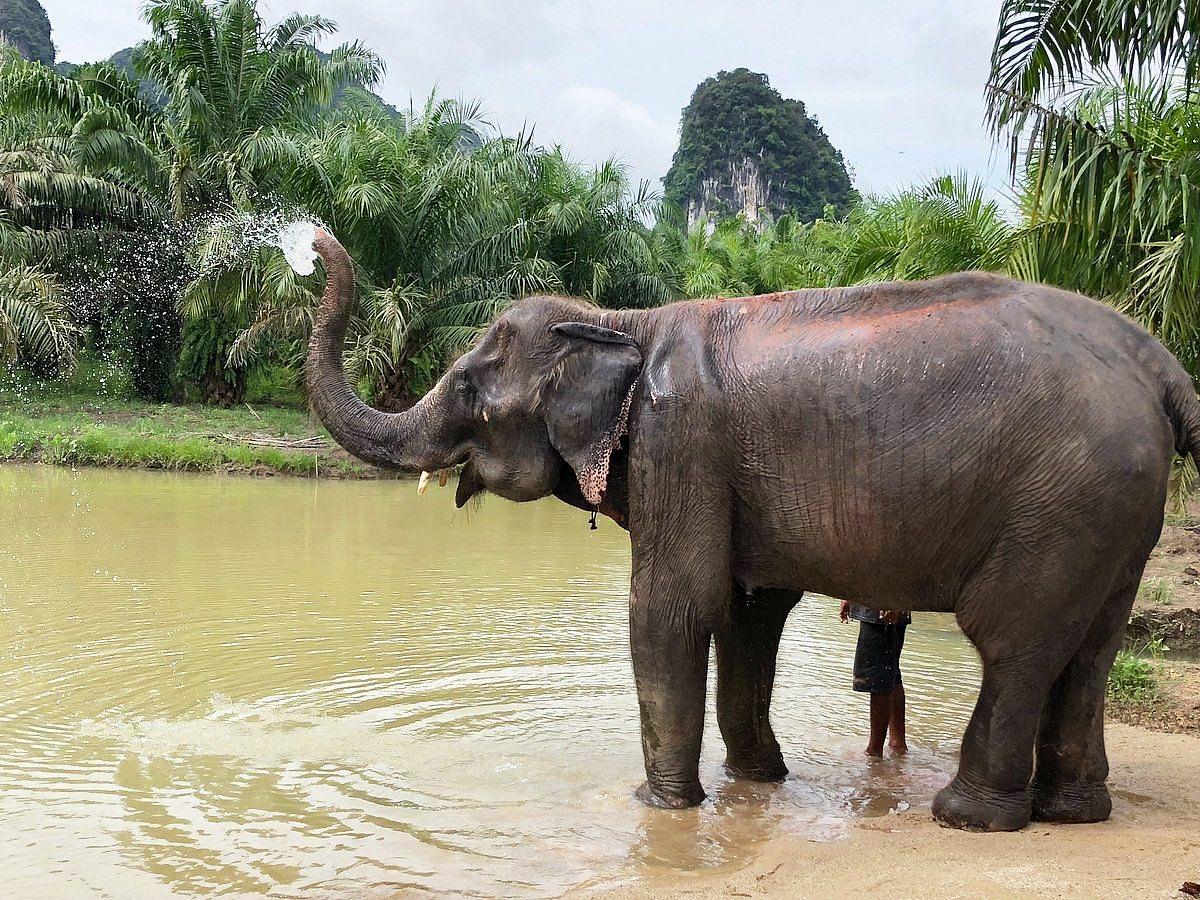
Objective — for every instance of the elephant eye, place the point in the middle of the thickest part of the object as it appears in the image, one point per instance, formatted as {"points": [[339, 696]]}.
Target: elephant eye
{"points": [[462, 384]]}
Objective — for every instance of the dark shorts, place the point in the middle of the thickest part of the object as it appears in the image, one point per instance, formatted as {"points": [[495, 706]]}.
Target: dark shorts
{"points": [[877, 659]]}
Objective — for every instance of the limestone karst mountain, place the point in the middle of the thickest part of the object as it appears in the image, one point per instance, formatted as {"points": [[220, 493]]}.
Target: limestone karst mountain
{"points": [[25, 25], [745, 149]]}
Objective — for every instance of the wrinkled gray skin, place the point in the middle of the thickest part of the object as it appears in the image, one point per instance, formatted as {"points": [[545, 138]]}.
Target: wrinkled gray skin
{"points": [[970, 444]]}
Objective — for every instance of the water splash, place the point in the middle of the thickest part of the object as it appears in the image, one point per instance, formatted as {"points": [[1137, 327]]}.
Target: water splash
{"points": [[296, 242], [129, 292], [228, 239]]}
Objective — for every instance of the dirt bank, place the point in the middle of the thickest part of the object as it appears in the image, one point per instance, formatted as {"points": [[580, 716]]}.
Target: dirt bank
{"points": [[1149, 847], [1176, 708], [1168, 606]]}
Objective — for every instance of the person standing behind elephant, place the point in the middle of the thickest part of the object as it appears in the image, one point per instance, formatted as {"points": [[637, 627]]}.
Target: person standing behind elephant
{"points": [[877, 671]]}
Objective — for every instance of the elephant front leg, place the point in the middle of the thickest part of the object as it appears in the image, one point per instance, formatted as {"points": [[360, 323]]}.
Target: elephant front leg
{"points": [[747, 646], [680, 533], [670, 666]]}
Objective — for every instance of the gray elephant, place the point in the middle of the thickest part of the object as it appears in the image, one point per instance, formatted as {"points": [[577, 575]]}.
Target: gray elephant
{"points": [[969, 444]]}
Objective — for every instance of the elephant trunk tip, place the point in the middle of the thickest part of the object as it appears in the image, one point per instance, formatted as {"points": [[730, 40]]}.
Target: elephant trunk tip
{"points": [[324, 243]]}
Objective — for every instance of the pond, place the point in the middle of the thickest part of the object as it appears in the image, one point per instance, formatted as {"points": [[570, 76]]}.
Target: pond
{"points": [[301, 687]]}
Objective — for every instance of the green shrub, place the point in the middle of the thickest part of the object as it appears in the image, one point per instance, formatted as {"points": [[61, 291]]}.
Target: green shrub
{"points": [[1134, 677], [275, 385]]}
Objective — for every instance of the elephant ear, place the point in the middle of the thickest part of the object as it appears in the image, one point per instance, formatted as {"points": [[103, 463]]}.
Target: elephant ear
{"points": [[587, 400]]}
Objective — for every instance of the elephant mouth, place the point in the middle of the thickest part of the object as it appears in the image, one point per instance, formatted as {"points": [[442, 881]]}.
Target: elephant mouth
{"points": [[469, 484]]}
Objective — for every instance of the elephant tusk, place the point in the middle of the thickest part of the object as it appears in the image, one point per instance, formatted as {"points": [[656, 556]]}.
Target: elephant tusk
{"points": [[443, 477], [423, 484]]}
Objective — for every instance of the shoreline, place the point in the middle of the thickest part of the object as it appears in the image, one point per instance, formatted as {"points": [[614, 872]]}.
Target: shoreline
{"points": [[258, 442], [1149, 847]]}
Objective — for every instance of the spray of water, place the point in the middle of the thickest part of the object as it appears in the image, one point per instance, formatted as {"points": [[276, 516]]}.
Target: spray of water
{"points": [[226, 240], [296, 242], [147, 272]]}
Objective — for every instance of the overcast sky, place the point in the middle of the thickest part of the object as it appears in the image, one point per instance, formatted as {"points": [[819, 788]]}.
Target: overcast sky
{"points": [[897, 86]]}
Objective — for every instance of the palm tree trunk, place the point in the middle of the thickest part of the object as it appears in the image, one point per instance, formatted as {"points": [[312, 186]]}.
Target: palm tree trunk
{"points": [[392, 390], [221, 387]]}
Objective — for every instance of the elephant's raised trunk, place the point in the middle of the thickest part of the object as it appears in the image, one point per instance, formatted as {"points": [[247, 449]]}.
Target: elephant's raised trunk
{"points": [[377, 437]]}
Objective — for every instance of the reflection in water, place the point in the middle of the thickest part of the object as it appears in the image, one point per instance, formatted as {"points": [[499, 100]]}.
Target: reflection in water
{"points": [[300, 687]]}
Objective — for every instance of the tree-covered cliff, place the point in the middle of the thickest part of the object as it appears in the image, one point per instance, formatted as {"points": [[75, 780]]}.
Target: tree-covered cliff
{"points": [[743, 148], [25, 25]]}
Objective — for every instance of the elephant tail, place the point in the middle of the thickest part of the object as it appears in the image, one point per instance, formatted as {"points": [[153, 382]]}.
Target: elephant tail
{"points": [[1183, 409]]}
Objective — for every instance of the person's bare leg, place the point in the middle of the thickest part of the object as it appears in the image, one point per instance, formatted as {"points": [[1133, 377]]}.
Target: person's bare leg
{"points": [[897, 744], [881, 711]]}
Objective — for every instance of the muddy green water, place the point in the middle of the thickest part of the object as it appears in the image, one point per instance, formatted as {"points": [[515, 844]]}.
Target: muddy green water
{"points": [[304, 688]]}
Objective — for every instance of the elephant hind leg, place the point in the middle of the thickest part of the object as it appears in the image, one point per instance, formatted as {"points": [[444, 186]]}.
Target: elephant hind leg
{"points": [[1069, 784], [747, 646], [1027, 616]]}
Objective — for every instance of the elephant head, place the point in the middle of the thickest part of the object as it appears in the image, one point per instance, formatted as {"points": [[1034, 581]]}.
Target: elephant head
{"points": [[544, 395]]}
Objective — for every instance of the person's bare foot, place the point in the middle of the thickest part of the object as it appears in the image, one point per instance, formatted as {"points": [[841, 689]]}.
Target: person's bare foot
{"points": [[898, 749], [874, 751]]}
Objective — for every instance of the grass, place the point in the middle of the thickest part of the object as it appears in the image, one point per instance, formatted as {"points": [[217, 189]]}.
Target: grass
{"points": [[88, 420], [1134, 676], [1156, 590]]}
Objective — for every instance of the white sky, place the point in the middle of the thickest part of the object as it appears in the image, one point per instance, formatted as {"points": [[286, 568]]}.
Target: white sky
{"points": [[896, 85]]}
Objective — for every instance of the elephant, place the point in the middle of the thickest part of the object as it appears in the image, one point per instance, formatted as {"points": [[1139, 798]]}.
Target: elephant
{"points": [[969, 444]]}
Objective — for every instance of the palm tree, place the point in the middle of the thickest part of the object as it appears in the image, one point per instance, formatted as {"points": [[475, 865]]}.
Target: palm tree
{"points": [[35, 328], [447, 227], [241, 97], [54, 208], [592, 226], [400, 193], [239, 94], [736, 258], [1044, 47], [948, 225], [1101, 95], [945, 226]]}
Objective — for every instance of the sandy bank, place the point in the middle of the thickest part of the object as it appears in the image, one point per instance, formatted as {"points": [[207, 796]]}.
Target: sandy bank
{"points": [[1149, 847]]}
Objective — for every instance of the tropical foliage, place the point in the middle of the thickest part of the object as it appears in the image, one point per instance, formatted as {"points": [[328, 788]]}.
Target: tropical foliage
{"points": [[444, 236], [137, 197], [945, 226], [239, 99], [948, 225], [238, 95], [52, 209], [735, 258], [1098, 99], [34, 325]]}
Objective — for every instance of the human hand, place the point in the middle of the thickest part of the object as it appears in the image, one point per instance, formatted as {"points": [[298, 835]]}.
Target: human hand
{"points": [[889, 616], [844, 611]]}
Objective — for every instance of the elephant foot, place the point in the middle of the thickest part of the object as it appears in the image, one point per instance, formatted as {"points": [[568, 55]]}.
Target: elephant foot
{"points": [[659, 798], [956, 806], [763, 767], [1070, 802]]}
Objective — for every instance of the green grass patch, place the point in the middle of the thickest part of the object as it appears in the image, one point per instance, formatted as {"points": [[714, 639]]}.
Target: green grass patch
{"points": [[1134, 675], [60, 428]]}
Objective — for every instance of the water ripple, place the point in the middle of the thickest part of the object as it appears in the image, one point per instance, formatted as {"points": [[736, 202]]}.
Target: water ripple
{"points": [[321, 689]]}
